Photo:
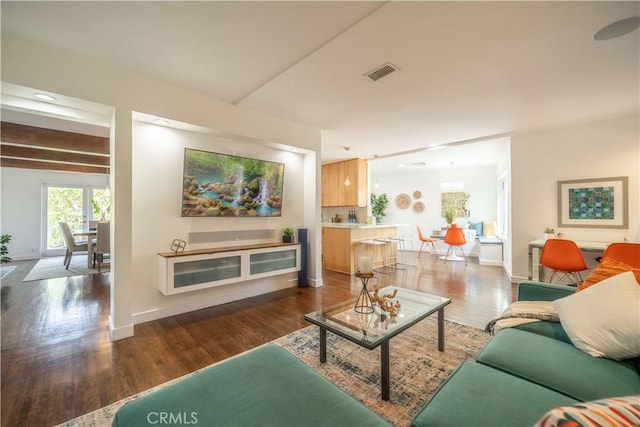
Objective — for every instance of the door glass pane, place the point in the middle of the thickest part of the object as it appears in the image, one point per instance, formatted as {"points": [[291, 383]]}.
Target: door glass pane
{"points": [[101, 204], [64, 204]]}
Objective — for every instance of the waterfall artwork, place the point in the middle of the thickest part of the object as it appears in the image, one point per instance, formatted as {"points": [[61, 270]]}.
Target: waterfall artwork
{"points": [[222, 185]]}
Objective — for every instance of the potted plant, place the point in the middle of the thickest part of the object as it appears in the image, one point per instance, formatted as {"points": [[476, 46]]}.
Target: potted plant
{"points": [[379, 206], [287, 235], [449, 214], [549, 233], [4, 251], [98, 210]]}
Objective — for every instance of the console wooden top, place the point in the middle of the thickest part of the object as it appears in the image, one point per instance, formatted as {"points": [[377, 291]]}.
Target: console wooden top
{"points": [[227, 249]]}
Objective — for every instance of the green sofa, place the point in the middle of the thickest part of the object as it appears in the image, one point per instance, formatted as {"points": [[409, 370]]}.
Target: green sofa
{"points": [[525, 371], [264, 387]]}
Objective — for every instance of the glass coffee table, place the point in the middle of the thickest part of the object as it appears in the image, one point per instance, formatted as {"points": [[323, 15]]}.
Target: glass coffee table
{"points": [[377, 328]]}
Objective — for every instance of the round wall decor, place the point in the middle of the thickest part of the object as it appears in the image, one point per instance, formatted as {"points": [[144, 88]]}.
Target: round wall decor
{"points": [[418, 207], [417, 194], [403, 201]]}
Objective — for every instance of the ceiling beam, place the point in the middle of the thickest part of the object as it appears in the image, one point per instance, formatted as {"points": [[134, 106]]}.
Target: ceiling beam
{"points": [[52, 155], [29, 164], [56, 139]]}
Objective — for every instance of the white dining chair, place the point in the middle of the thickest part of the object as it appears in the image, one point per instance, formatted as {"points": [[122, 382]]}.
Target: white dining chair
{"points": [[72, 244], [103, 243]]}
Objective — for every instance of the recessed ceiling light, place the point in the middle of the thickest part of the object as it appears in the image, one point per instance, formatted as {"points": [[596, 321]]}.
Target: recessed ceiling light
{"points": [[43, 97], [618, 28], [161, 122]]}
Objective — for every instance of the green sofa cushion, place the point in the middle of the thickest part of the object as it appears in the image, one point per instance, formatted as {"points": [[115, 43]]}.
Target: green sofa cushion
{"points": [[560, 366], [548, 329], [476, 395], [265, 387], [529, 290]]}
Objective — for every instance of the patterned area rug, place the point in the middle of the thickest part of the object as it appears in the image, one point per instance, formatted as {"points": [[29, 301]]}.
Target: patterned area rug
{"points": [[53, 267], [417, 368]]}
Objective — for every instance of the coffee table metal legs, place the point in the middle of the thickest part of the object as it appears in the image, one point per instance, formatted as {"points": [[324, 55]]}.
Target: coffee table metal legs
{"points": [[323, 345], [384, 369], [441, 329]]}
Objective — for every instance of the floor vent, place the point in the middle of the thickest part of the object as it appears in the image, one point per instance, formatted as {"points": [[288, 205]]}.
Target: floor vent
{"points": [[382, 71]]}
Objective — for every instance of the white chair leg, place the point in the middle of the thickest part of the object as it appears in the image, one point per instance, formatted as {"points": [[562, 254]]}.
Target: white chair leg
{"points": [[444, 261]]}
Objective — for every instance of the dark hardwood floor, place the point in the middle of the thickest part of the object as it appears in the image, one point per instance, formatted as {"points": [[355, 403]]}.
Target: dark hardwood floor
{"points": [[58, 362]]}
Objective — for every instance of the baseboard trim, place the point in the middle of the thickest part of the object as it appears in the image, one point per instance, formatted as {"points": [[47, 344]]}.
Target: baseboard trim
{"points": [[119, 333], [315, 283]]}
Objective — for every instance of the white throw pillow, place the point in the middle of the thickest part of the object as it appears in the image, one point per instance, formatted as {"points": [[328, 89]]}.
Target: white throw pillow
{"points": [[604, 319]]}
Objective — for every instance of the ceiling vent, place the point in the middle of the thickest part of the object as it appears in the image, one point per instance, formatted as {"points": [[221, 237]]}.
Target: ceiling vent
{"points": [[381, 71]]}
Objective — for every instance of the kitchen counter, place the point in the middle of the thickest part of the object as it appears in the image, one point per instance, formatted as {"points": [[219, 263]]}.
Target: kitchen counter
{"points": [[342, 243], [360, 225]]}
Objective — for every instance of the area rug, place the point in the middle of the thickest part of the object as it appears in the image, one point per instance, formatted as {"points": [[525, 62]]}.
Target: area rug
{"points": [[417, 368], [53, 267]]}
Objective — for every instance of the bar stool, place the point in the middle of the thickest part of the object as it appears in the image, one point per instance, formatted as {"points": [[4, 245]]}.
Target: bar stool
{"points": [[386, 260], [371, 245]]}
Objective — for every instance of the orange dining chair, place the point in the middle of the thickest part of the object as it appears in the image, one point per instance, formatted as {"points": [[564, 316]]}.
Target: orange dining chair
{"points": [[454, 237], [629, 253], [425, 241], [564, 258]]}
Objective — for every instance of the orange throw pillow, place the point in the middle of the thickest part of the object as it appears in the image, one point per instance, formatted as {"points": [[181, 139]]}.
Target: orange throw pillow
{"points": [[608, 267]]}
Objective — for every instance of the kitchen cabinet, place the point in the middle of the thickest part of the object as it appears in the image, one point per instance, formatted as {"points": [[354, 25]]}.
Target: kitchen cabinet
{"points": [[334, 190]]}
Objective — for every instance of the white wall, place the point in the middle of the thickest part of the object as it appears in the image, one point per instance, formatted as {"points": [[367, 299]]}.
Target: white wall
{"points": [[479, 183], [127, 92], [21, 205], [598, 149], [158, 154]]}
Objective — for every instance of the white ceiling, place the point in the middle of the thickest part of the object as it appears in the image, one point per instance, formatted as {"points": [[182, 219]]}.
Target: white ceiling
{"points": [[467, 70]]}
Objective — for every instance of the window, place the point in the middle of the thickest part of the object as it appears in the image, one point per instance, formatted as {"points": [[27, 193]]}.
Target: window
{"points": [[74, 204]]}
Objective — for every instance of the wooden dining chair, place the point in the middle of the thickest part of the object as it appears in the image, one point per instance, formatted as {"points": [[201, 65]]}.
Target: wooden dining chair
{"points": [[103, 243], [71, 243]]}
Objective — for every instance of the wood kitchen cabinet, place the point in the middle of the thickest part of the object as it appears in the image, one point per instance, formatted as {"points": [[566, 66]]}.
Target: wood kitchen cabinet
{"points": [[334, 190]]}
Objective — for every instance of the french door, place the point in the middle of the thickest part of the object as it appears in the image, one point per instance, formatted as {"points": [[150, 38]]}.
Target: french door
{"points": [[74, 204]]}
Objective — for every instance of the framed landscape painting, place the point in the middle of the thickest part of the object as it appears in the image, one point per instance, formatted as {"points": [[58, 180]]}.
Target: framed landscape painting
{"points": [[593, 203], [222, 185]]}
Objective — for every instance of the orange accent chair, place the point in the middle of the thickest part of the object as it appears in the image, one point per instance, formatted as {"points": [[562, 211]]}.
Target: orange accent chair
{"points": [[455, 239], [564, 259], [629, 253], [425, 241]]}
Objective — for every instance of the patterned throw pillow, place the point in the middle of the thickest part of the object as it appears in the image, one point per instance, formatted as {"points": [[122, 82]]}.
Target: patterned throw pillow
{"points": [[609, 267], [615, 411]]}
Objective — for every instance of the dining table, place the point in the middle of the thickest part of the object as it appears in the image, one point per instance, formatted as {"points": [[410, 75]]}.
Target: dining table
{"points": [[90, 235]]}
